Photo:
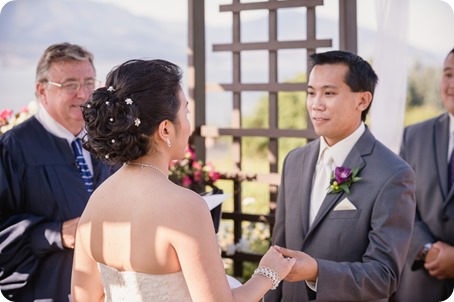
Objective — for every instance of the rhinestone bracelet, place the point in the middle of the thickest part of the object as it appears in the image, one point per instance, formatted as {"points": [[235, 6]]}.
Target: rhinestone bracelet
{"points": [[270, 274]]}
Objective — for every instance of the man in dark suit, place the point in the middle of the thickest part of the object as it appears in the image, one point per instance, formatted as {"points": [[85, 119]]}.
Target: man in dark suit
{"points": [[43, 186], [351, 240], [427, 146]]}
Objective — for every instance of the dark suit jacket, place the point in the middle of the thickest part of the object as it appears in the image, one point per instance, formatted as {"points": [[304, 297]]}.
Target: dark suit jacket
{"points": [[425, 148], [360, 253], [40, 188]]}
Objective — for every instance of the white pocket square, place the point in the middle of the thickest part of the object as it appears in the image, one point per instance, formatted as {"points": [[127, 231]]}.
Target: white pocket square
{"points": [[345, 205]]}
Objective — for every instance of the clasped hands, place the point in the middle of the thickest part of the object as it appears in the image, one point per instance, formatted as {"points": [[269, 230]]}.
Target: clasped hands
{"points": [[304, 266], [440, 261]]}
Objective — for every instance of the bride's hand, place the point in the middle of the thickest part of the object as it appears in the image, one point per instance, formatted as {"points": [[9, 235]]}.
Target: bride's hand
{"points": [[275, 261]]}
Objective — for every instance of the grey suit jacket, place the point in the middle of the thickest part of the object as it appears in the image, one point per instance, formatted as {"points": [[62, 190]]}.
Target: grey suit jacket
{"points": [[360, 253], [425, 148]]}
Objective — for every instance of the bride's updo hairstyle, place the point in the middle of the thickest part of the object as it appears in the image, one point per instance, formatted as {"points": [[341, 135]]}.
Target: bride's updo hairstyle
{"points": [[121, 117]]}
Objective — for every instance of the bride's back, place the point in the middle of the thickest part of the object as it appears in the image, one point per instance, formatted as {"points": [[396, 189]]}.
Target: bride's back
{"points": [[132, 218]]}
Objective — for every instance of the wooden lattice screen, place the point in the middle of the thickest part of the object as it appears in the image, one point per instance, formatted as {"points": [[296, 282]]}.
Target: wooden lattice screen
{"points": [[197, 89]]}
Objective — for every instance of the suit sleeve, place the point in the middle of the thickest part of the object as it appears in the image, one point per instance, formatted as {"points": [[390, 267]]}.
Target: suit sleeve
{"points": [[24, 237], [376, 276], [278, 237], [421, 233]]}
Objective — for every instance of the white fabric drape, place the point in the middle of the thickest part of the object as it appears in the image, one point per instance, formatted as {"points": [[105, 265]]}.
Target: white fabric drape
{"points": [[390, 63]]}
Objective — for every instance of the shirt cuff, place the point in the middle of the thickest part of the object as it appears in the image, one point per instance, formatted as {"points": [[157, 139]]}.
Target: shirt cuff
{"points": [[312, 285]]}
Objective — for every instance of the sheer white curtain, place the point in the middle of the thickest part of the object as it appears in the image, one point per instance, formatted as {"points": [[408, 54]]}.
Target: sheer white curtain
{"points": [[390, 63]]}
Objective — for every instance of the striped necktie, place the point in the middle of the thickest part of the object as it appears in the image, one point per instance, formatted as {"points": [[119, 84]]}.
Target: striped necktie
{"points": [[82, 164]]}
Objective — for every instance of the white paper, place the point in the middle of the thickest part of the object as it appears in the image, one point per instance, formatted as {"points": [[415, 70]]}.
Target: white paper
{"points": [[215, 199]]}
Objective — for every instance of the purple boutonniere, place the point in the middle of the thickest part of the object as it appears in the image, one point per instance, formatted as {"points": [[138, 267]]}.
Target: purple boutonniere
{"points": [[341, 180]]}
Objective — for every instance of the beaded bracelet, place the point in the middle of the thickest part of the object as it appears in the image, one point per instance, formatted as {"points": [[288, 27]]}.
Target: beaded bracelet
{"points": [[270, 274]]}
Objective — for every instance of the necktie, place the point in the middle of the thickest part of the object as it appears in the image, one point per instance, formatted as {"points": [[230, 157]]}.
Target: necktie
{"points": [[82, 164], [451, 170], [321, 183]]}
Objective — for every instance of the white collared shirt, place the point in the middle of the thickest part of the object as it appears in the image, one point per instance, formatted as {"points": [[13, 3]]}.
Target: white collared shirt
{"points": [[451, 136], [58, 130], [341, 149]]}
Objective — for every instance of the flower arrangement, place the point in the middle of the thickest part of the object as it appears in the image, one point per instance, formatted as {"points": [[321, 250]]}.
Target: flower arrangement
{"points": [[192, 173], [341, 180], [8, 119]]}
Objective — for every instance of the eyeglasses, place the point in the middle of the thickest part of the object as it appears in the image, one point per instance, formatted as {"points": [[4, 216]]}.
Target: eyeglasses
{"points": [[71, 87]]}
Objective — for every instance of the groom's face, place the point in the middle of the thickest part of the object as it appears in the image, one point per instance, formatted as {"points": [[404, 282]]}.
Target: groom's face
{"points": [[334, 109]]}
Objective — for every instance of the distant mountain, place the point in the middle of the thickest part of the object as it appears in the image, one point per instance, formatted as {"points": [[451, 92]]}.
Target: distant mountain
{"points": [[27, 27]]}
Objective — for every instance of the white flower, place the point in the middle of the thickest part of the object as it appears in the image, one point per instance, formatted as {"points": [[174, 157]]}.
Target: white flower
{"points": [[111, 89], [248, 201], [231, 249], [128, 101], [137, 122], [243, 245]]}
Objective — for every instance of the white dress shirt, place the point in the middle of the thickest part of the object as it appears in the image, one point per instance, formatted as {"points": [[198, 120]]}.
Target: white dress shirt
{"points": [[58, 130], [451, 136]]}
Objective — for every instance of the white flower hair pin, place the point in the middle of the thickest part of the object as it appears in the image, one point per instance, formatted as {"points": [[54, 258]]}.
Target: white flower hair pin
{"points": [[129, 101], [137, 122], [111, 89]]}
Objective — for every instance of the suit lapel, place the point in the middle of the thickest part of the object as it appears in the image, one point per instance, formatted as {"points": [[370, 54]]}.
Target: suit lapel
{"points": [[441, 132], [308, 173], [354, 159]]}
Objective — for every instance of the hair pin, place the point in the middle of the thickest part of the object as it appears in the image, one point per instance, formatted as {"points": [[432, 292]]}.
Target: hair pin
{"points": [[137, 122], [110, 89], [128, 101]]}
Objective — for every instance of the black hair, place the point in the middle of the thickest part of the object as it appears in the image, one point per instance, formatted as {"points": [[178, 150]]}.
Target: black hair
{"points": [[451, 52], [360, 76], [121, 117]]}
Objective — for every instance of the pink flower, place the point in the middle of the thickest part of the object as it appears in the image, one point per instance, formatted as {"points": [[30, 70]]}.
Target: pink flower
{"points": [[6, 113], [192, 173], [214, 176], [24, 110], [186, 181]]}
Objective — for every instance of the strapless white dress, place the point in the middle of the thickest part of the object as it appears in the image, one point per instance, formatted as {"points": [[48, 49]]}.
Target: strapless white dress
{"points": [[140, 287]]}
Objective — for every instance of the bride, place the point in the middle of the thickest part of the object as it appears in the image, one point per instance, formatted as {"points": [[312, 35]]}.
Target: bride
{"points": [[141, 237]]}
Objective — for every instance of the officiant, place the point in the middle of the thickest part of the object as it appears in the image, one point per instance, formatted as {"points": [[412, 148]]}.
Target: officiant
{"points": [[46, 179], [346, 203]]}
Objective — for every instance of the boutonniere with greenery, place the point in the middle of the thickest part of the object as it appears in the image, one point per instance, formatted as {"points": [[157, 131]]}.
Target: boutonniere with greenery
{"points": [[341, 180]]}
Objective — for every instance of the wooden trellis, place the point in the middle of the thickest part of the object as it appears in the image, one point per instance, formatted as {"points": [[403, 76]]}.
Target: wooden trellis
{"points": [[197, 93]]}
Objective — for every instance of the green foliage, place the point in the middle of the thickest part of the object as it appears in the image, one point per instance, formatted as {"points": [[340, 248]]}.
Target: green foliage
{"points": [[418, 114], [423, 86]]}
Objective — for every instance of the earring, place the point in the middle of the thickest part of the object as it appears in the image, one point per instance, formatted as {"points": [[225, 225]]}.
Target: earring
{"points": [[168, 142]]}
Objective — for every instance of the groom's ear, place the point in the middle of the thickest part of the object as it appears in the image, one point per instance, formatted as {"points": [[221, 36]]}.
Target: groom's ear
{"points": [[364, 100]]}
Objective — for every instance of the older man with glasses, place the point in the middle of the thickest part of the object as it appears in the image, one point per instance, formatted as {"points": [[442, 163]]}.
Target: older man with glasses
{"points": [[46, 178]]}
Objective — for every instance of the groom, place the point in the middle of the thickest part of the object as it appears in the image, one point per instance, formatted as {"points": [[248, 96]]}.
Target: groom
{"points": [[351, 240]]}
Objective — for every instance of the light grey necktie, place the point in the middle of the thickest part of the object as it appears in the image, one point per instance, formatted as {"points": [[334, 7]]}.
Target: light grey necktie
{"points": [[321, 183]]}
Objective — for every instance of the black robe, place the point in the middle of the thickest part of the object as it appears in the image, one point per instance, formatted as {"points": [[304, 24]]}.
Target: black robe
{"points": [[40, 188]]}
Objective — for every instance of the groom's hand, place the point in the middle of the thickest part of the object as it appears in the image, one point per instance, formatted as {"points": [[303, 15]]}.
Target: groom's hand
{"points": [[305, 267]]}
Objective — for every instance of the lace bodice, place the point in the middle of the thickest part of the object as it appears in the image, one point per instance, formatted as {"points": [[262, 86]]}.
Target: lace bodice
{"points": [[140, 287]]}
